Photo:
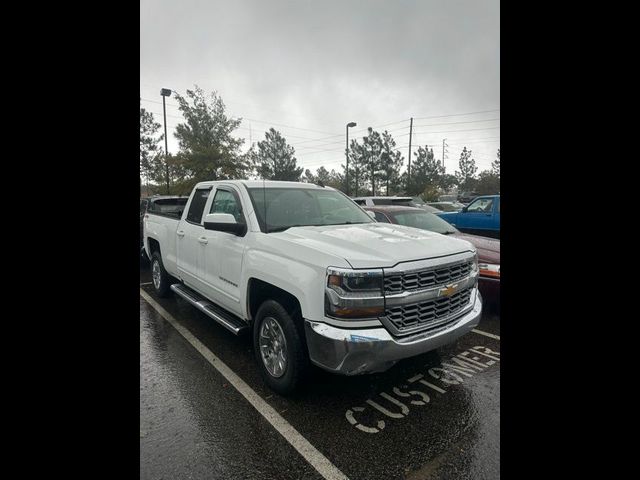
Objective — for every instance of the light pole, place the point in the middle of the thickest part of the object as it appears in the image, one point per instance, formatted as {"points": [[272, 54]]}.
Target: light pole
{"points": [[444, 153], [350, 124], [165, 92]]}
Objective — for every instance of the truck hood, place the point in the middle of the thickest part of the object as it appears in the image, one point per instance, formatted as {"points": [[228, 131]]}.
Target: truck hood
{"points": [[375, 245]]}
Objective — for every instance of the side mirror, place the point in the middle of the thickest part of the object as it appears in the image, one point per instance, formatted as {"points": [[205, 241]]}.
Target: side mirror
{"points": [[224, 222], [464, 209], [371, 214]]}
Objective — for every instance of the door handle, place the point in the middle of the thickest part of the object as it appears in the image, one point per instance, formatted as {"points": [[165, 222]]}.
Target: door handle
{"points": [[203, 240], [180, 233]]}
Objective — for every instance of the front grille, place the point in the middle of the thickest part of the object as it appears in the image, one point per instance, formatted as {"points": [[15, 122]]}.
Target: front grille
{"points": [[400, 282], [427, 314]]}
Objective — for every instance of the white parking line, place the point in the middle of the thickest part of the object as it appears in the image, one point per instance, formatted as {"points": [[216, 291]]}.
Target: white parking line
{"points": [[146, 283], [317, 460], [491, 335]]}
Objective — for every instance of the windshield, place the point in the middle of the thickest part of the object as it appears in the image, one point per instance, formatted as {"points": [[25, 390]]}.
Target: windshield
{"points": [[424, 221], [296, 207]]}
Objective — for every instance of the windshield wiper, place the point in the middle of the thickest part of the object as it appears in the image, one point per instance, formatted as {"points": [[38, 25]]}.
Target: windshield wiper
{"points": [[286, 227], [347, 223], [448, 232]]}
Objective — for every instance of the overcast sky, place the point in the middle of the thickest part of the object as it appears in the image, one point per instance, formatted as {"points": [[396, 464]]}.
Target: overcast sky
{"points": [[309, 67]]}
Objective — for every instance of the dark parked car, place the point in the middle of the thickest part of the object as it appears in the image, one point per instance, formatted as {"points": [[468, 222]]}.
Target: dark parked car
{"points": [[406, 201], [488, 248], [420, 203], [168, 205]]}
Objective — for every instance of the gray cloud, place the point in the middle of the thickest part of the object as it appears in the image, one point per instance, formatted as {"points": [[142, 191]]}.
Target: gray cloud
{"points": [[319, 64]]}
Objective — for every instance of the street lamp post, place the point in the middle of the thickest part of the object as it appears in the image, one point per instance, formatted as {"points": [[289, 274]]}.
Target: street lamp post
{"points": [[350, 124], [165, 92]]}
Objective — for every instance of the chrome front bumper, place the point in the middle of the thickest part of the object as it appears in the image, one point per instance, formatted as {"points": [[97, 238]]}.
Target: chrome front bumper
{"points": [[357, 351]]}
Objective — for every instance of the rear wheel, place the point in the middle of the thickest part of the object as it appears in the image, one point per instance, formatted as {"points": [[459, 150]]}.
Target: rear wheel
{"points": [[279, 350], [144, 259], [161, 279]]}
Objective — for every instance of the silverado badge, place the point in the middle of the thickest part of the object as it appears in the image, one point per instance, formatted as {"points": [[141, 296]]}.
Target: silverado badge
{"points": [[448, 290]]}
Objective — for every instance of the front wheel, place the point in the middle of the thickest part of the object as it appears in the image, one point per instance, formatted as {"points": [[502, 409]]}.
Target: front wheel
{"points": [[278, 348], [161, 278]]}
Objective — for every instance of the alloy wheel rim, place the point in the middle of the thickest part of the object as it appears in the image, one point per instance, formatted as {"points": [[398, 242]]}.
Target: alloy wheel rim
{"points": [[273, 347], [156, 274]]}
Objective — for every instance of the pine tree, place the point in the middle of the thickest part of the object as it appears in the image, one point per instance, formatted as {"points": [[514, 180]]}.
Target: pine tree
{"points": [[151, 154], [357, 165], [495, 165], [466, 175], [426, 171], [391, 162], [274, 159], [208, 150]]}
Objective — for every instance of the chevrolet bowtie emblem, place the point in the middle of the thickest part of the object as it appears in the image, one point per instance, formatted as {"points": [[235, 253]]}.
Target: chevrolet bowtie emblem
{"points": [[448, 290]]}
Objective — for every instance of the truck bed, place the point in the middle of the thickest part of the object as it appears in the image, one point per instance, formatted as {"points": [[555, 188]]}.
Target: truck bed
{"points": [[163, 227]]}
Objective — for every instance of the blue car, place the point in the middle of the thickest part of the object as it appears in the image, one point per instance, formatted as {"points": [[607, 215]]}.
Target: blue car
{"points": [[480, 217]]}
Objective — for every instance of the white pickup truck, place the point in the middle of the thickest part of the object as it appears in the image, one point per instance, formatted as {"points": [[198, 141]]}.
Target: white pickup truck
{"points": [[313, 276]]}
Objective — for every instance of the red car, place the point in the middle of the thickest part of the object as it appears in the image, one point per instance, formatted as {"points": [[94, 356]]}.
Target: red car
{"points": [[488, 248]]}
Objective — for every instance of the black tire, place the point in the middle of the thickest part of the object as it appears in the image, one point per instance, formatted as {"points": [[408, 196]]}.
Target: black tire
{"points": [[144, 259], [297, 362], [163, 288]]}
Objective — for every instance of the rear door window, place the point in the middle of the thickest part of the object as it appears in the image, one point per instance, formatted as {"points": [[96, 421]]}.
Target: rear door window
{"points": [[196, 209]]}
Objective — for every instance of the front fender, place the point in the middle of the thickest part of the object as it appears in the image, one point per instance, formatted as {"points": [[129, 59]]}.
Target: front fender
{"points": [[303, 281]]}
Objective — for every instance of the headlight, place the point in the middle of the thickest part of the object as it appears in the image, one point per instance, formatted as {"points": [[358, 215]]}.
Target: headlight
{"points": [[474, 265], [489, 270], [354, 293]]}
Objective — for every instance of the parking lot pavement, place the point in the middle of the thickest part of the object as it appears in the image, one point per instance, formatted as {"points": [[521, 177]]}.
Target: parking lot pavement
{"points": [[193, 424], [435, 416]]}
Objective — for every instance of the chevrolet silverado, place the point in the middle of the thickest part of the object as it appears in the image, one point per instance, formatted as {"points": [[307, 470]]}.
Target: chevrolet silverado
{"points": [[313, 277]]}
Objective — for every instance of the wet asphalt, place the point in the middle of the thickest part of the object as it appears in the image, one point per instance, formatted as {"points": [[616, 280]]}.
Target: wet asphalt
{"points": [[195, 425]]}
